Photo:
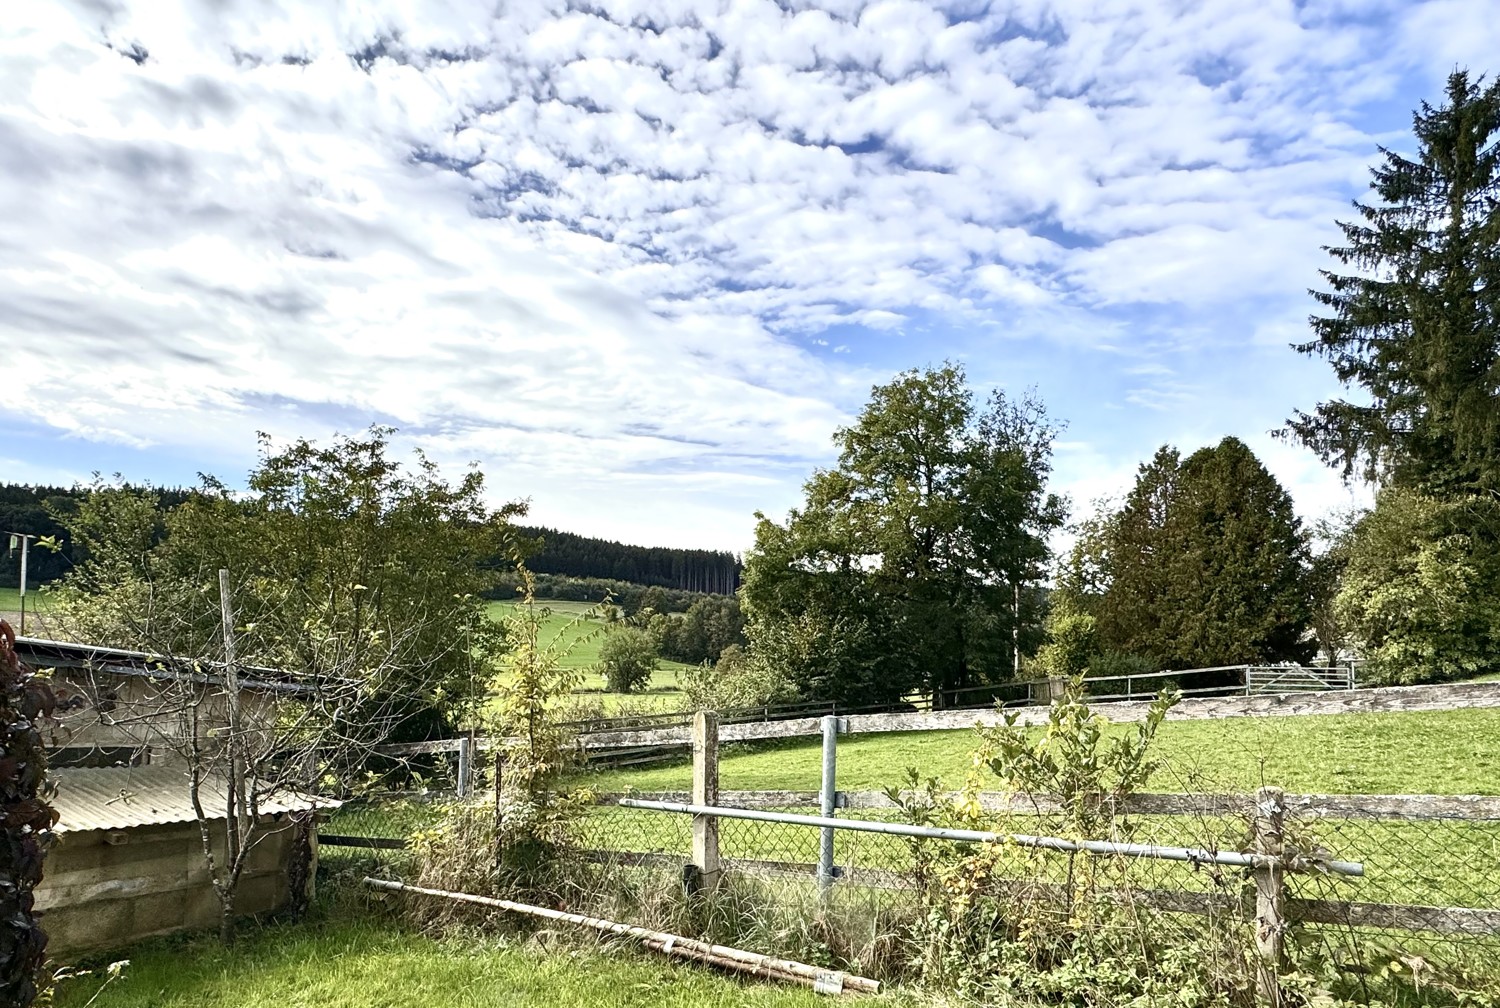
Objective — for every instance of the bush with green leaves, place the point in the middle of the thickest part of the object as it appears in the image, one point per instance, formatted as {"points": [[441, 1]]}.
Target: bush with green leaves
{"points": [[1420, 589], [627, 658], [1011, 924], [737, 679]]}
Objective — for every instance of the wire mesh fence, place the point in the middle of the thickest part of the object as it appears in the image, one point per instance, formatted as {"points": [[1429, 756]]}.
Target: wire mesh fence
{"points": [[1429, 897]]}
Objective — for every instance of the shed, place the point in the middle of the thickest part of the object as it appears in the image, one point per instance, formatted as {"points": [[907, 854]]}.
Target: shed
{"points": [[128, 859], [110, 705]]}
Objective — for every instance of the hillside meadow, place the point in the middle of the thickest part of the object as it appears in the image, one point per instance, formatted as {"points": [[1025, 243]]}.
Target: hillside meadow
{"points": [[578, 624]]}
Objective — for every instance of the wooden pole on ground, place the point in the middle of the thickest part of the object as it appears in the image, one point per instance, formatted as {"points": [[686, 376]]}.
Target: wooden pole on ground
{"points": [[1270, 895], [706, 792], [827, 981]]}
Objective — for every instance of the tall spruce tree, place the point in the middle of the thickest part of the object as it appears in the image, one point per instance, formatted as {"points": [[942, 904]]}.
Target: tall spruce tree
{"points": [[1206, 564], [1415, 323], [1238, 560], [1132, 552]]}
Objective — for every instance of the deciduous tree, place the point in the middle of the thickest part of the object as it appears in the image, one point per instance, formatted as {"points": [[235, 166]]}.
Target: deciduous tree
{"points": [[914, 548]]}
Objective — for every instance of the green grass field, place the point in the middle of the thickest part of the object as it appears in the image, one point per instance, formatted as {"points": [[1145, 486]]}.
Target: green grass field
{"points": [[349, 965], [1447, 752], [568, 621], [10, 600], [1422, 862]]}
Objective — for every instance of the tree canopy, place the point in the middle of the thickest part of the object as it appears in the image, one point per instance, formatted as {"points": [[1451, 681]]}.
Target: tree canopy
{"points": [[344, 563], [904, 567], [1204, 564], [1415, 323]]}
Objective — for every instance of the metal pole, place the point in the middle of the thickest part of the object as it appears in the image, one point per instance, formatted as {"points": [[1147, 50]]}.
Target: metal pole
{"points": [[25, 546], [828, 798], [1195, 855]]}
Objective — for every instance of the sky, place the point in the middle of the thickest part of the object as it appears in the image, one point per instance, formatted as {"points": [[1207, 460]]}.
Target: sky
{"points": [[640, 260]]}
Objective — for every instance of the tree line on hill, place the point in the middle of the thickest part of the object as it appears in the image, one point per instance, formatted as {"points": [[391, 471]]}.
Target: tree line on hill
{"points": [[569, 566], [39, 511], [700, 571]]}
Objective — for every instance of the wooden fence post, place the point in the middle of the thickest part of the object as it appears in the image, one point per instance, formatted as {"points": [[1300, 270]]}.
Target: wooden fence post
{"points": [[706, 792], [465, 765], [1270, 895]]}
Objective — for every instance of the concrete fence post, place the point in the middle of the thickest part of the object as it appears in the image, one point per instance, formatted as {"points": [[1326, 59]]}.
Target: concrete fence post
{"points": [[706, 792], [1270, 895]]}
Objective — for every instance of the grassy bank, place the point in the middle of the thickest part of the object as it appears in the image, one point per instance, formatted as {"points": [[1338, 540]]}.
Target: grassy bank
{"points": [[359, 965], [1447, 752]]}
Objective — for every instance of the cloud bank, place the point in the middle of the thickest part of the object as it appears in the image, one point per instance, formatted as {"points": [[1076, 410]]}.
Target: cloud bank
{"points": [[640, 259]]}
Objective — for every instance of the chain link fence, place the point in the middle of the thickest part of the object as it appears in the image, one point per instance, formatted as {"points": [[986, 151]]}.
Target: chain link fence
{"points": [[1428, 900]]}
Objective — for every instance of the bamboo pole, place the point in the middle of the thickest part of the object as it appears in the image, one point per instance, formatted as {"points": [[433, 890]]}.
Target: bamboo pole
{"points": [[825, 981], [833, 985]]}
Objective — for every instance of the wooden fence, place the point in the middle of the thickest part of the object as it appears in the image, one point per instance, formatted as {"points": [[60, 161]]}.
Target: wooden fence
{"points": [[1265, 813], [1385, 699]]}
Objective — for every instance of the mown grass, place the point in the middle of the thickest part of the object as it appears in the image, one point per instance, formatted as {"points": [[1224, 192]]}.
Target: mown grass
{"points": [[361, 965], [571, 621], [10, 601], [1443, 752]]}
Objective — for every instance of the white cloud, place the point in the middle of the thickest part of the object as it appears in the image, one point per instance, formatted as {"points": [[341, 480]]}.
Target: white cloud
{"points": [[605, 249]]}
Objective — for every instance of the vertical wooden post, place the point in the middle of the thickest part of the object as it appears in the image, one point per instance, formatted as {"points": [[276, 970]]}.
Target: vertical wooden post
{"points": [[1270, 895], [465, 765], [499, 806], [828, 800], [706, 792]]}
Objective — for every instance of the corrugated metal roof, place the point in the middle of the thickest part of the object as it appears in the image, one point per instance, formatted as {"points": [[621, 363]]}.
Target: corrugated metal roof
{"points": [[121, 797], [40, 653]]}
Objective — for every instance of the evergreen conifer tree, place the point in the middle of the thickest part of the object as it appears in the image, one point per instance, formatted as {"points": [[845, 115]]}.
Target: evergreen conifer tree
{"points": [[1415, 325]]}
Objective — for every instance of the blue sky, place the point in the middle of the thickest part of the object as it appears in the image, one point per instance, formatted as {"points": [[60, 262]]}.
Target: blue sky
{"points": [[639, 260]]}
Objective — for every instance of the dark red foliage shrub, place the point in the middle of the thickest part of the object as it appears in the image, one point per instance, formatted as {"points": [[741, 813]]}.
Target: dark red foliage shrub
{"points": [[26, 822]]}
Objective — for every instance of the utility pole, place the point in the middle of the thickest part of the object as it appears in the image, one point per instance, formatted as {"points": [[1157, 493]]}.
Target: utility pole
{"points": [[25, 542]]}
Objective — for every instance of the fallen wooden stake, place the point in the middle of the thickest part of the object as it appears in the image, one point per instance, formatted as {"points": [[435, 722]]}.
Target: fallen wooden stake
{"points": [[822, 981], [831, 984]]}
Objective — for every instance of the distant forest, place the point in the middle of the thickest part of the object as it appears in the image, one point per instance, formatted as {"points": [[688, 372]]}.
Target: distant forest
{"points": [[711, 571], [24, 509]]}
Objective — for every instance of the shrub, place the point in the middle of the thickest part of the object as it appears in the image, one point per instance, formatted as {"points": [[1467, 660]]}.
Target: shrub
{"points": [[737, 679], [627, 659]]}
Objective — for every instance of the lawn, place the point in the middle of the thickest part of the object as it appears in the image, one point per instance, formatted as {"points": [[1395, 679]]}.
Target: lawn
{"points": [[10, 600], [1445, 752], [359, 965], [569, 621], [1439, 863]]}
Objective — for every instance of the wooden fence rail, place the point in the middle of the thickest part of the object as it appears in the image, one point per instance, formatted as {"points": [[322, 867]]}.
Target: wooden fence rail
{"points": [[1349, 913], [1384, 699]]}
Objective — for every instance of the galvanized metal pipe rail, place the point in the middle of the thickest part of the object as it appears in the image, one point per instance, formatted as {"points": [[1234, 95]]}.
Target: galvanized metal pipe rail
{"points": [[1195, 855]]}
